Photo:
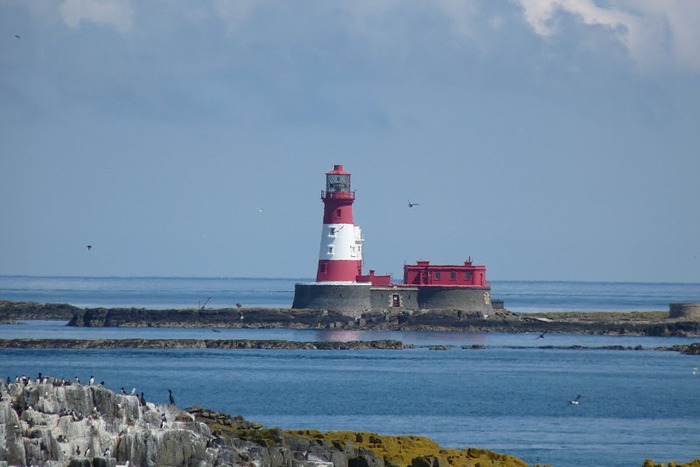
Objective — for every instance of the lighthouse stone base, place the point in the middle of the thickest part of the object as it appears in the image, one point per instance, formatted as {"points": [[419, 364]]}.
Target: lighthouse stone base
{"points": [[348, 298]]}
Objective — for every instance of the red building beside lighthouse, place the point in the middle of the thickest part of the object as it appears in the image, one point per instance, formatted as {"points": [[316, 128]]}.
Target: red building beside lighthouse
{"points": [[340, 285]]}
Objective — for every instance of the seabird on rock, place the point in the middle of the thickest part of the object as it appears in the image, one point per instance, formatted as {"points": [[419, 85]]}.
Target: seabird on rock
{"points": [[123, 391], [92, 380], [133, 392], [77, 380], [575, 401], [142, 400], [170, 397]]}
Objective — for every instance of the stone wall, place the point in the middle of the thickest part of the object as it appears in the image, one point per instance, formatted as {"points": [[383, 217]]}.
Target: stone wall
{"points": [[467, 299], [382, 298], [349, 299], [685, 310]]}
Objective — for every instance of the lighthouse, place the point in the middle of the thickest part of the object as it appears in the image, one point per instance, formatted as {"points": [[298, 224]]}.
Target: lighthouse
{"points": [[341, 288], [339, 284], [340, 254]]}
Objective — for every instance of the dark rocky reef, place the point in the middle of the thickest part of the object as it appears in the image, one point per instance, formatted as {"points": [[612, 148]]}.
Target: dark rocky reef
{"points": [[638, 323], [231, 344], [692, 349], [198, 344], [12, 311], [609, 323], [46, 422]]}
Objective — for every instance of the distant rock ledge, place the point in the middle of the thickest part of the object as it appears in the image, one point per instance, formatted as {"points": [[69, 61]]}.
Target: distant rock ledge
{"points": [[232, 344], [198, 344]]}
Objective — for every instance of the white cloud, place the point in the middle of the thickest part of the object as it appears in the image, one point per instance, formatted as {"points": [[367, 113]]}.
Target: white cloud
{"points": [[117, 14], [657, 34]]}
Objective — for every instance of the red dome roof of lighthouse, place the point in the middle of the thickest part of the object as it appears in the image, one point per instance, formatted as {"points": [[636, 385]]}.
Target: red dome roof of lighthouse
{"points": [[338, 170]]}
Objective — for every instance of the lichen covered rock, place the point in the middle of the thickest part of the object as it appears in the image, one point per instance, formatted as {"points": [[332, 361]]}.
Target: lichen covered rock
{"points": [[58, 423]]}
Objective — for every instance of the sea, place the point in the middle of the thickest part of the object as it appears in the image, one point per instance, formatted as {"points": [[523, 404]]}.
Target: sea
{"points": [[504, 392]]}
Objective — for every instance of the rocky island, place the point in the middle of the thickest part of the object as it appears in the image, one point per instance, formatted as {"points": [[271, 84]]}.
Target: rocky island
{"points": [[658, 323], [45, 421]]}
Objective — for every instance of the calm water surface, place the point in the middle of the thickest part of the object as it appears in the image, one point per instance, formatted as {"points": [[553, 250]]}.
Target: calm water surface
{"points": [[634, 404], [181, 292]]}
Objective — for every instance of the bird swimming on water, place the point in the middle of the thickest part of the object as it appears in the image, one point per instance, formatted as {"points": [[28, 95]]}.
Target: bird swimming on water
{"points": [[575, 401]]}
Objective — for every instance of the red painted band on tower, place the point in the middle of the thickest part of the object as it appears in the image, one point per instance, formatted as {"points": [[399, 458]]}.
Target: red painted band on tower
{"points": [[337, 211], [338, 270]]}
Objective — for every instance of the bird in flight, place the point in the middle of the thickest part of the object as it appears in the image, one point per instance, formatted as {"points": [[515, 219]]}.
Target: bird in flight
{"points": [[541, 336], [89, 247], [575, 401], [410, 204], [17, 36]]}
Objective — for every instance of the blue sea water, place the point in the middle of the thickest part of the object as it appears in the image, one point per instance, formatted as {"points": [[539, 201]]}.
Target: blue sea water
{"points": [[634, 404], [182, 292]]}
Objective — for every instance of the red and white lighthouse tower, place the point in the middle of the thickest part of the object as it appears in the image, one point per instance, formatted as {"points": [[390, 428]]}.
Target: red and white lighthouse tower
{"points": [[340, 255]]}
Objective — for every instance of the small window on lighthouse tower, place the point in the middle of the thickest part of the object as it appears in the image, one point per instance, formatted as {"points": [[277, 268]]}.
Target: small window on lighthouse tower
{"points": [[337, 213], [331, 231], [330, 249]]}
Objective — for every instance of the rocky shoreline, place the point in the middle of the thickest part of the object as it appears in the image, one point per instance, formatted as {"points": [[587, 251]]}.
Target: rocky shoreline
{"points": [[606, 323], [237, 344], [223, 344], [45, 421]]}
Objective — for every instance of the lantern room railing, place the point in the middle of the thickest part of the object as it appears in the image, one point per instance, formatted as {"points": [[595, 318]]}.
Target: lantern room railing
{"points": [[337, 194]]}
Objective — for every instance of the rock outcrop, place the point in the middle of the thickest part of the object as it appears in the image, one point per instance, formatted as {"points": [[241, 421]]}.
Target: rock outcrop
{"points": [[199, 344], [54, 423], [609, 323], [49, 423], [12, 311]]}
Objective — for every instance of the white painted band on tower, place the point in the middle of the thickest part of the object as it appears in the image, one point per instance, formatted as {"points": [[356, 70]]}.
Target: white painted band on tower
{"points": [[341, 242]]}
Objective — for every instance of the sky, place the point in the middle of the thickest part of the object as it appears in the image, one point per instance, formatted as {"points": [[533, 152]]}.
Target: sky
{"points": [[545, 139]]}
